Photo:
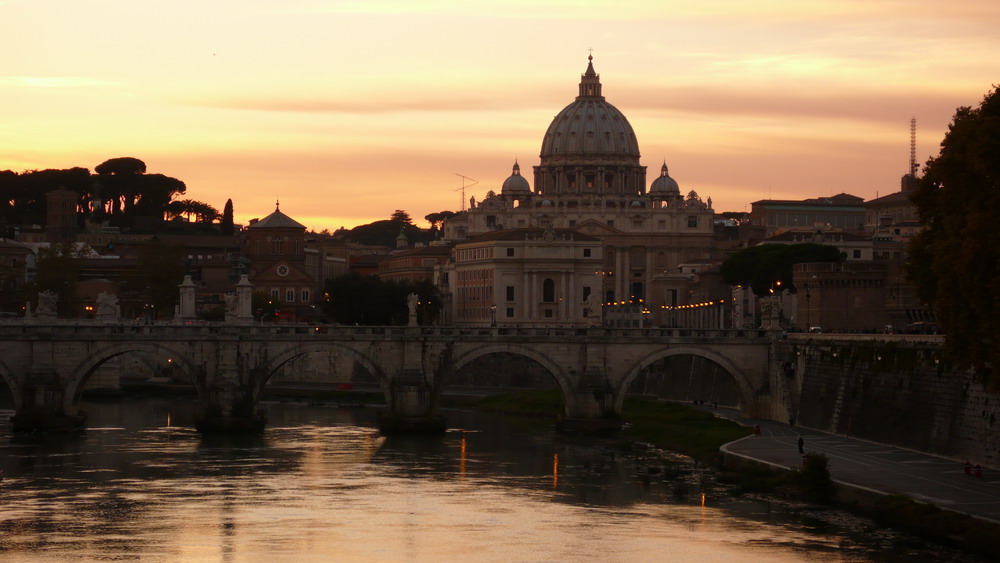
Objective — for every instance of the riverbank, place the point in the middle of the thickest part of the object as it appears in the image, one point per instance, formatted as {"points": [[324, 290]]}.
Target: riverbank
{"points": [[703, 436], [671, 426]]}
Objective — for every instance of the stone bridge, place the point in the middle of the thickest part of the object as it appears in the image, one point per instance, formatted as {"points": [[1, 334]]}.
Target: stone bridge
{"points": [[48, 366]]}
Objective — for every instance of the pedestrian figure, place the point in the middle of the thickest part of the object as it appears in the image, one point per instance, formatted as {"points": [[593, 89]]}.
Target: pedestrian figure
{"points": [[802, 444], [791, 421]]}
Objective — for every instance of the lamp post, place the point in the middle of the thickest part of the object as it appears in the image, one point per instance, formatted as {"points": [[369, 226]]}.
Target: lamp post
{"points": [[493, 315]]}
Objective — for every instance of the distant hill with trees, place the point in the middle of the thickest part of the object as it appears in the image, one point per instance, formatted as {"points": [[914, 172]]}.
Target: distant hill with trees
{"points": [[386, 231]]}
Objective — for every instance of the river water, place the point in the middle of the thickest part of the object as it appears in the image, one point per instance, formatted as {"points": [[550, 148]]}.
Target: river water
{"points": [[322, 485]]}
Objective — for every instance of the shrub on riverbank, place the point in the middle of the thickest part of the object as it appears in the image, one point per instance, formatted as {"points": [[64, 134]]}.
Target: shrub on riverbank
{"points": [[927, 519], [813, 480]]}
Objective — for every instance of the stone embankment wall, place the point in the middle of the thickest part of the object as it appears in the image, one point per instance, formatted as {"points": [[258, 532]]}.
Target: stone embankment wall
{"points": [[900, 393]]}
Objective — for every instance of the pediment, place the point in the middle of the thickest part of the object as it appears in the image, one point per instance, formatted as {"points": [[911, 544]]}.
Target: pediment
{"points": [[281, 272], [595, 228]]}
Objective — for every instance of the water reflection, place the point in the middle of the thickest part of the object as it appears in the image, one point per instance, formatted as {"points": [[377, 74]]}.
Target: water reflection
{"points": [[321, 483]]}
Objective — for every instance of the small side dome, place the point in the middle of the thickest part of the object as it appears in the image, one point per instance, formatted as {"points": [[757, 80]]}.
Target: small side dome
{"points": [[515, 184], [635, 203], [664, 185], [546, 203]]}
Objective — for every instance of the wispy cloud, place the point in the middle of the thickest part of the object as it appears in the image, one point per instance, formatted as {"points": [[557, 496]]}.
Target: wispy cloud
{"points": [[857, 104], [354, 106], [54, 81]]}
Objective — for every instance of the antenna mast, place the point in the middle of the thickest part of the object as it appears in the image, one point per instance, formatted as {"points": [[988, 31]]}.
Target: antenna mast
{"points": [[913, 147], [462, 189]]}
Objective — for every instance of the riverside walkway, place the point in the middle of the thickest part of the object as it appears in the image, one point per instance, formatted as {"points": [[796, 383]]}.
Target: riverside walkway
{"points": [[875, 467]]}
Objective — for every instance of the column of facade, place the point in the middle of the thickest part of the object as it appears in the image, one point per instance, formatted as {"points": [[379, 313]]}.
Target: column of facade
{"points": [[564, 305], [530, 295], [622, 274]]}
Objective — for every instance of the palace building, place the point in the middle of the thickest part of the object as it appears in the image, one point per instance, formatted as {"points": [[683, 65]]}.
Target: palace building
{"points": [[588, 226]]}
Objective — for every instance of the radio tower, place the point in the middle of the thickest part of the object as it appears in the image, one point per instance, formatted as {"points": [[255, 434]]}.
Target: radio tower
{"points": [[909, 180], [461, 200]]}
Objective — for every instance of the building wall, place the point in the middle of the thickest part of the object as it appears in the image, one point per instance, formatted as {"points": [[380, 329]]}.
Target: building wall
{"points": [[901, 394], [847, 297], [530, 279]]}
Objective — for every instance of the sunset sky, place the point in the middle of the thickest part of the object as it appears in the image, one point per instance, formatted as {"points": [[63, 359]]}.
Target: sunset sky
{"points": [[348, 110]]}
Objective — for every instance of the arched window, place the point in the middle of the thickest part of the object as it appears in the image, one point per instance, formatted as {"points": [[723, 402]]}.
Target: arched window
{"points": [[548, 290]]}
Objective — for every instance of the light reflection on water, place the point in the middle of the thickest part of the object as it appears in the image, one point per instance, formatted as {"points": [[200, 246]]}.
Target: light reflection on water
{"points": [[321, 484]]}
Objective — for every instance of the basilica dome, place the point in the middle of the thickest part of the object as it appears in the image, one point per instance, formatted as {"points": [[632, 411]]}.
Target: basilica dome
{"points": [[664, 185], [515, 184], [590, 126]]}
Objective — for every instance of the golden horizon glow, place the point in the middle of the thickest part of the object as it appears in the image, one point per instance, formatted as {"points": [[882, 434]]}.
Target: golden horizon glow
{"points": [[347, 111]]}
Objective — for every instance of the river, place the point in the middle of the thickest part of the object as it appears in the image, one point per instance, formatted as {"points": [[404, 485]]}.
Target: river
{"points": [[322, 485]]}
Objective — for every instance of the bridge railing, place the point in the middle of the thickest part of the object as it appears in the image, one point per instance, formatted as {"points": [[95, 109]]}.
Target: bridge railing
{"points": [[350, 332], [853, 337]]}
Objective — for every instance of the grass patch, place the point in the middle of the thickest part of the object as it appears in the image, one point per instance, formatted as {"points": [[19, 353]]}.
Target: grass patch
{"points": [[544, 404], [670, 426], [679, 428]]}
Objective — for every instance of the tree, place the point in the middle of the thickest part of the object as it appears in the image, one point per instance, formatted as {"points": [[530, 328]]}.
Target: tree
{"points": [[200, 210], [227, 226], [766, 267], [131, 193], [955, 261], [400, 216], [439, 217], [124, 165]]}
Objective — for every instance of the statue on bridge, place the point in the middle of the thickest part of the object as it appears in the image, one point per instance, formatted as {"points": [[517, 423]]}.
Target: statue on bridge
{"points": [[594, 309], [232, 306], [107, 307], [47, 301], [770, 312], [411, 303]]}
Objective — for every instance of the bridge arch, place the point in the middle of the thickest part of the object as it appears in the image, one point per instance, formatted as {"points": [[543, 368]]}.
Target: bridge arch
{"points": [[746, 389], [81, 373], [300, 350], [477, 351]]}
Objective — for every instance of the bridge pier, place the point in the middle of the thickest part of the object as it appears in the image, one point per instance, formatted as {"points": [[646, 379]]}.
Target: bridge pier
{"points": [[40, 406], [230, 404], [411, 403], [591, 407], [230, 408]]}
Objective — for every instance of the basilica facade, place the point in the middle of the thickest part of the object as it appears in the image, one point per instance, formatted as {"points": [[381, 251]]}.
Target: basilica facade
{"points": [[587, 225]]}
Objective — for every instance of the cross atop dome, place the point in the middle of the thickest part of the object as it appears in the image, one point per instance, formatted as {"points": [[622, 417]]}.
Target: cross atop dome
{"points": [[590, 81]]}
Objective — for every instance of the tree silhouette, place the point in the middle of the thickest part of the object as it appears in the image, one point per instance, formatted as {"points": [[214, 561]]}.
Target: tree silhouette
{"points": [[400, 216], [131, 193], [437, 219], [955, 260], [190, 208], [227, 226], [762, 267]]}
